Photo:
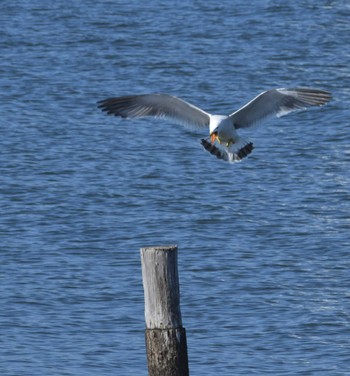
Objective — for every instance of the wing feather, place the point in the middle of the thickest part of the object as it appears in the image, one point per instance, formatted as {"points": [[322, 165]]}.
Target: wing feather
{"points": [[278, 102], [156, 105]]}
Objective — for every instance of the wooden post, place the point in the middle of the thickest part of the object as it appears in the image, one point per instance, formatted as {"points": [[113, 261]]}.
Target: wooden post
{"points": [[165, 337]]}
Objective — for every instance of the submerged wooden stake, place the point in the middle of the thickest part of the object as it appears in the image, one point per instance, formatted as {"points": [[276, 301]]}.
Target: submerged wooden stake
{"points": [[165, 337]]}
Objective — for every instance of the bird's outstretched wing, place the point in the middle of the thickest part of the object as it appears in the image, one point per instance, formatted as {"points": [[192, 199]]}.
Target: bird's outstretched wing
{"points": [[278, 102], [156, 105]]}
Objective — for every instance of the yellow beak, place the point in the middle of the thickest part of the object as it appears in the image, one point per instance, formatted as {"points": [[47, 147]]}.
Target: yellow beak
{"points": [[213, 137]]}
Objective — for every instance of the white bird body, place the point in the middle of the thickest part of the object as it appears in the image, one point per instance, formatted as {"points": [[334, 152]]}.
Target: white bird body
{"points": [[224, 126], [224, 141]]}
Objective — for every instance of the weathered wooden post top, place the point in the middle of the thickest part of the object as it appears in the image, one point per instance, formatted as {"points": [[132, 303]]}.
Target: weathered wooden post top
{"points": [[165, 337]]}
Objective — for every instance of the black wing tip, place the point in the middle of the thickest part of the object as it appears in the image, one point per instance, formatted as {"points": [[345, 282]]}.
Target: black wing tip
{"points": [[103, 104], [120, 106], [111, 106], [242, 152], [213, 149], [245, 150], [318, 97]]}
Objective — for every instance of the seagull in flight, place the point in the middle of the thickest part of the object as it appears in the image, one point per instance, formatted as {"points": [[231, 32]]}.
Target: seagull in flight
{"points": [[223, 141]]}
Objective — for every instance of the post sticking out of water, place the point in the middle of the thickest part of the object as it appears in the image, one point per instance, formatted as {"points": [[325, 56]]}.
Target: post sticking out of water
{"points": [[165, 337]]}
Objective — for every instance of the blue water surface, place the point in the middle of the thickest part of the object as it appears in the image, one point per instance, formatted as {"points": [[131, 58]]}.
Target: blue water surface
{"points": [[264, 245]]}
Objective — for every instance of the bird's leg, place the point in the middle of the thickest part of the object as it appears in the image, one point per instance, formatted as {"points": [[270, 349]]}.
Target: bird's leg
{"points": [[230, 142], [213, 137]]}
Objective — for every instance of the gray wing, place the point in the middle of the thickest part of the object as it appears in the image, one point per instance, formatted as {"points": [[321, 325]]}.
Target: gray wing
{"points": [[156, 105], [278, 102]]}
